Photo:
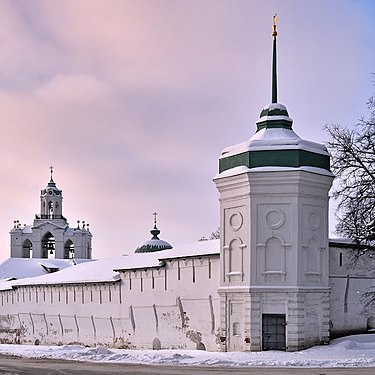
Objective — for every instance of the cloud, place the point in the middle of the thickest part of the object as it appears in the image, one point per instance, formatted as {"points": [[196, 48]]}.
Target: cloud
{"points": [[76, 88]]}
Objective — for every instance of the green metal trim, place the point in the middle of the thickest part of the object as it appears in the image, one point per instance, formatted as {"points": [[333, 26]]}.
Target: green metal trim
{"points": [[274, 124], [273, 112], [151, 248], [275, 158]]}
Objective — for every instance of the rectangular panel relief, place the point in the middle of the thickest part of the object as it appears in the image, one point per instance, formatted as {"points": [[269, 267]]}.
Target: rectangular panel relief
{"points": [[236, 226], [273, 243], [313, 243]]}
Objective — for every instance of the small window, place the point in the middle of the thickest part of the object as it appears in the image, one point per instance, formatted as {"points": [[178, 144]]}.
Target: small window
{"points": [[340, 259], [236, 329]]}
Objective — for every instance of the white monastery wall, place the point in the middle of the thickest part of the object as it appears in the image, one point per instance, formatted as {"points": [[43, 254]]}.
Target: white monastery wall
{"points": [[352, 276], [173, 306]]}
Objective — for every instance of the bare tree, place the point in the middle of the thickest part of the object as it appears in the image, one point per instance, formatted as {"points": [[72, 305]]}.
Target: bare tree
{"points": [[353, 162], [216, 234], [213, 236]]}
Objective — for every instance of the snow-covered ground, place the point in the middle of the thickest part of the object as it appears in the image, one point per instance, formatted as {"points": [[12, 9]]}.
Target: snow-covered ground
{"points": [[351, 351]]}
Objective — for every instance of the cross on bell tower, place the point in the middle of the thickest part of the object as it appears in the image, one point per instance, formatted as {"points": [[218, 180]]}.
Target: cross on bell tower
{"points": [[51, 169], [51, 201]]}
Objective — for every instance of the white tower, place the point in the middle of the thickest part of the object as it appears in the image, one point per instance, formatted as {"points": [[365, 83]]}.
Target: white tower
{"points": [[50, 235], [273, 189]]}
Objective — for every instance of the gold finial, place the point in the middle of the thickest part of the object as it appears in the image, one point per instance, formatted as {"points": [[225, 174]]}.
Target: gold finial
{"points": [[274, 32], [155, 214]]}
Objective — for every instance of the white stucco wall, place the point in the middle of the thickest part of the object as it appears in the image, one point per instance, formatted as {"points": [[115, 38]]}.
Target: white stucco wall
{"points": [[352, 274], [174, 306]]}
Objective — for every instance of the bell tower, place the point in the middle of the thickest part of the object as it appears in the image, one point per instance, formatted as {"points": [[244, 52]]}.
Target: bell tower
{"points": [[50, 235], [274, 290]]}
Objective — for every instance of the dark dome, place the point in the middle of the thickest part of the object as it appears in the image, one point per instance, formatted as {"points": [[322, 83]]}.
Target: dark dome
{"points": [[155, 244]]}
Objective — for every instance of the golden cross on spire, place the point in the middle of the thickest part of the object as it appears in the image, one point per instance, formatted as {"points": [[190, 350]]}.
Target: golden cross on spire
{"points": [[155, 214], [274, 32]]}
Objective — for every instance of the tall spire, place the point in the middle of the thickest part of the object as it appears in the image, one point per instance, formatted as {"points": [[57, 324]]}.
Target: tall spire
{"points": [[274, 70]]}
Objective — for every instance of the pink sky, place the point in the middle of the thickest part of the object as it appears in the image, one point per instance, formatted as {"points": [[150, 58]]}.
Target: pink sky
{"points": [[133, 101]]}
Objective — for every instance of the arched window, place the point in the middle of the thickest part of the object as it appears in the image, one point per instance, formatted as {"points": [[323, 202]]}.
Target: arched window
{"points": [[48, 245], [50, 209], [235, 256], [273, 254], [312, 256], [88, 251], [27, 249], [69, 250]]}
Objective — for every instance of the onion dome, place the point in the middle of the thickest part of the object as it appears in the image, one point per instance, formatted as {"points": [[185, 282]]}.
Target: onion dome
{"points": [[155, 243], [275, 144]]}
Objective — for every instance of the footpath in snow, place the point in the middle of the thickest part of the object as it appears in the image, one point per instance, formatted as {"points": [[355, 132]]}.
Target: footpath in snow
{"points": [[351, 351]]}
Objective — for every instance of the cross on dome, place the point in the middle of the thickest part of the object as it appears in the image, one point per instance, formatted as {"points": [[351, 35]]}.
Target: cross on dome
{"points": [[155, 244], [274, 32], [51, 168]]}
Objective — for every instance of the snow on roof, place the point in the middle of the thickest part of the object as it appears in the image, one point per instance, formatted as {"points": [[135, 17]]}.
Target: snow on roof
{"points": [[88, 272], [344, 241], [105, 270], [20, 268], [48, 222], [16, 269], [273, 106], [274, 118], [148, 260], [196, 249], [27, 229], [141, 260], [350, 243], [274, 139], [69, 231]]}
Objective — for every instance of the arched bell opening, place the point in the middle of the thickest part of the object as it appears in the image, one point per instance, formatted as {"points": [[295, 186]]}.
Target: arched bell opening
{"points": [[48, 246], [27, 249], [69, 250]]}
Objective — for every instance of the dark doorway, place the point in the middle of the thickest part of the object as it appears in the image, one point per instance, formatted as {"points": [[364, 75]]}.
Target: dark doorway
{"points": [[273, 328]]}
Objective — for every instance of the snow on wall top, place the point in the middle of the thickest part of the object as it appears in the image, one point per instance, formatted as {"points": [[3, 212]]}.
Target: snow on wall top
{"points": [[104, 270], [200, 248]]}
